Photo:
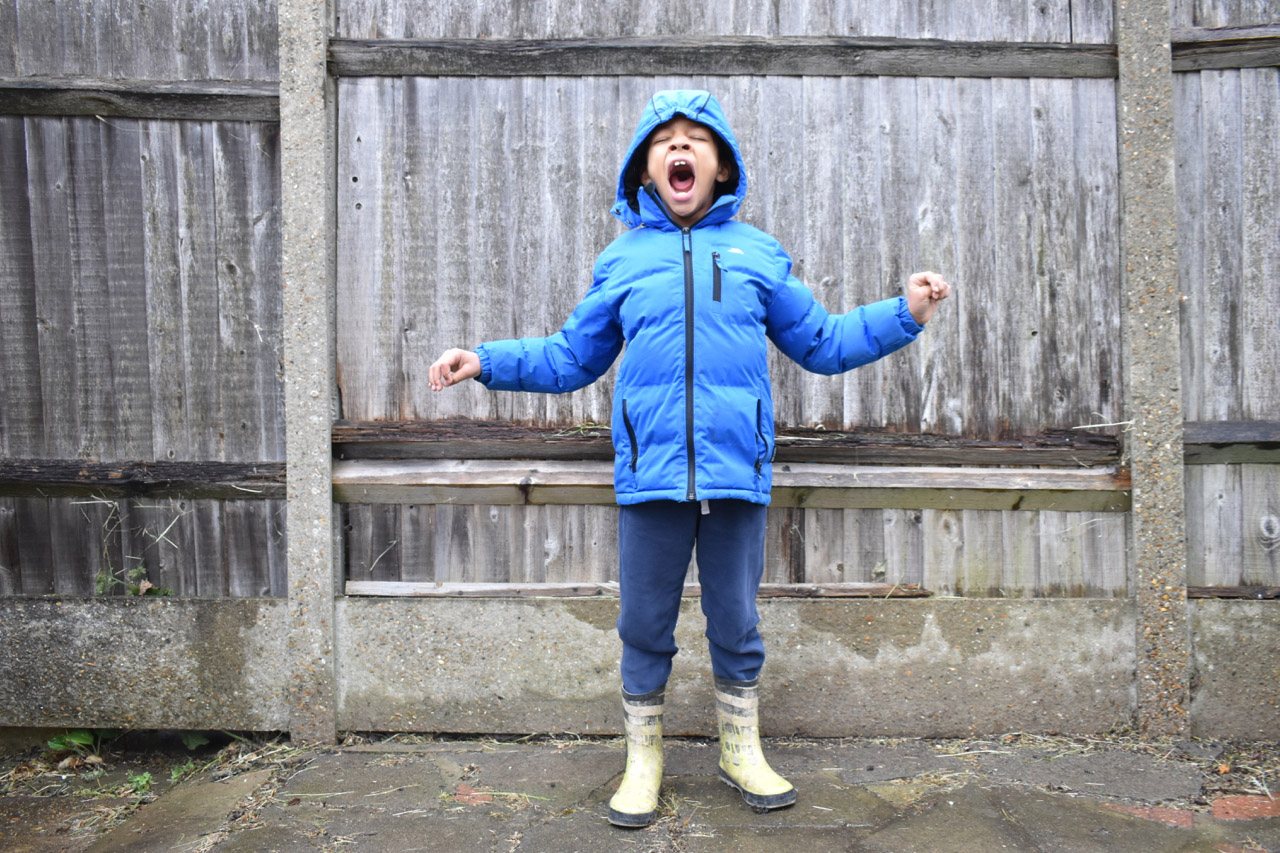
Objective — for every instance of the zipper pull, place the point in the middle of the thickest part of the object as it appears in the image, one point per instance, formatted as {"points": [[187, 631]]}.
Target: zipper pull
{"points": [[687, 240]]}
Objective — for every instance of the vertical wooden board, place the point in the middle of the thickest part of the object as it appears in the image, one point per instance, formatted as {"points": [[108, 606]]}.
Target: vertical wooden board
{"points": [[1009, 22], [903, 546], [1048, 21], [372, 542], [21, 403], [1182, 14], [423, 310], [34, 545], [50, 194], [784, 545], [900, 240], [246, 287], [90, 298], [85, 543], [40, 50], [212, 573], [246, 528], [1020, 554], [821, 242], [1065, 355], [975, 327], [125, 252], [779, 163], [543, 148], [938, 206], [1104, 545], [1260, 490], [9, 47], [10, 557], [864, 389], [417, 543], [528, 538], [1062, 558], [1189, 176], [825, 547], [944, 549], [370, 148], [163, 237], [1216, 13], [1093, 21], [586, 547], [1097, 252], [242, 40], [1260, 218], [1215, 525], [1017, 345], [200, 279], [1220, 347], [863, 558], [278, 546], [165, 541], [982, 563]]}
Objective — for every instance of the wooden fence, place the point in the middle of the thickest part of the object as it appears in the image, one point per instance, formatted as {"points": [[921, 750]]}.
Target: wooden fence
{"points": [[477, 154]]}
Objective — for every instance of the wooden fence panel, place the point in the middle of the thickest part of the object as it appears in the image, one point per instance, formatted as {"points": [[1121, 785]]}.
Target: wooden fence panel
{"points": [[1054, 21], [502, 241], [1224, 13], [177, 40]]}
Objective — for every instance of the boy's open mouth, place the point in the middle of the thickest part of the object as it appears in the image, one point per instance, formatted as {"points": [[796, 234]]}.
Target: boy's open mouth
{"points": [[680, 176]]}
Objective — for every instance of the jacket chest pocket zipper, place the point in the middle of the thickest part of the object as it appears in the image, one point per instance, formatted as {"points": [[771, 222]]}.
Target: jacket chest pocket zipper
{"points": [[631, 437], [717, 282]]}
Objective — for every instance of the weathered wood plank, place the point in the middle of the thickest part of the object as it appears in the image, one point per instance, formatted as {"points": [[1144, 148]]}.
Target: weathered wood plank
{"points": [[1214, 443], [799, 56], [22, 412], [208, 100], [610, 590], [1258, 593], [1260, 235], [1202, 49], [472, 439], [232, 480], [1215, 539], [1260, 493], [811, 485]]}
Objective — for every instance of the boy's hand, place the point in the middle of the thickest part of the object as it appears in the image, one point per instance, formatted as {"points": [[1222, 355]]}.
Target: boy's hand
{"points": [[924, 291], [453, 367]]}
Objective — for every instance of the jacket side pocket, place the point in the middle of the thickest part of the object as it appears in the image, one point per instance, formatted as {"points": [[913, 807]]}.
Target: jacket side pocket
{"points": [[762, 444], [631, 437]]}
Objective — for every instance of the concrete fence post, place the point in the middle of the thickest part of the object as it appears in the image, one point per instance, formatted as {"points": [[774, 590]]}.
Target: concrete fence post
{"points": [[307, 157], [1152, 356]]}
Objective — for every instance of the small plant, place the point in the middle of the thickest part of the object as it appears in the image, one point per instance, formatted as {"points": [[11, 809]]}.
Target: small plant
{"points": [[140, 784], [135, 582], [194, 740], [182, 771]]}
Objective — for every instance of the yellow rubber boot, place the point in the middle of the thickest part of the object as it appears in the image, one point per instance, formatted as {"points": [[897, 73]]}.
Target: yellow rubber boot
{"points": [[636, 803], [742, 763]]}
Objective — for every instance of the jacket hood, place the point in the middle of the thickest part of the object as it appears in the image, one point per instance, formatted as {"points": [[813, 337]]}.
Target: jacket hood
{"points": [[701, 107]]}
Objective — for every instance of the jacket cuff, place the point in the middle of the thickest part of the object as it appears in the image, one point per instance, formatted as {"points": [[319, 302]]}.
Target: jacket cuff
{"points": [[909, 324], [486, 374]]}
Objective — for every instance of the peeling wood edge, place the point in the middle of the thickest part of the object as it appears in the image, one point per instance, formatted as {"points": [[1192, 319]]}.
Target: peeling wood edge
{"points": [[719, 56], [409, 589], [1204, 49], [51, 478], [196, 100]]}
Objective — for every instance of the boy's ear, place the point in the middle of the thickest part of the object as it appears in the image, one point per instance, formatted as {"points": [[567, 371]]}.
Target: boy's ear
{"points": [[644, 177], [723, 174]]}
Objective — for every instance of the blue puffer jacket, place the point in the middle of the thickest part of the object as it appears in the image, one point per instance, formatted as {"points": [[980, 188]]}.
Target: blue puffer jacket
{"points": [[692, 409]]}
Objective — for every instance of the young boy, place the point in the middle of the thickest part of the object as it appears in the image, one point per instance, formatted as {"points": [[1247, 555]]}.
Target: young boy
{"points": [[694, 294]]}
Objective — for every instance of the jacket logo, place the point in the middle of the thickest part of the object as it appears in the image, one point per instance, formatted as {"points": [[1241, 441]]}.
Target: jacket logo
{"points": [[737, 251]]}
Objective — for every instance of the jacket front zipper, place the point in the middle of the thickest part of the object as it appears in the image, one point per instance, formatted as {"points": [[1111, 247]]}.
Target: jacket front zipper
{"points": [[686, 242]]}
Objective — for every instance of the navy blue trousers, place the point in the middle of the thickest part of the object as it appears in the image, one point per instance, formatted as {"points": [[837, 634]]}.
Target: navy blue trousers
{"points": [[655, 542]]}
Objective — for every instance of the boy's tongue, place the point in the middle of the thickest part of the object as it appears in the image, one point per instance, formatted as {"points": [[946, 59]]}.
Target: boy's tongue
{"points": [[681, 179]]}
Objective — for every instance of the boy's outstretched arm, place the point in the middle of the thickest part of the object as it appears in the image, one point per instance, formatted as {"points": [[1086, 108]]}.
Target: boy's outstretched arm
{"points": [[924, 291], [452, 367]]}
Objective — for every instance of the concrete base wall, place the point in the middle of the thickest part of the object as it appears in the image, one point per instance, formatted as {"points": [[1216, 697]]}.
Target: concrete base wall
{"points": [[1235, 677], [838, 667], [144, 663], [835, 667]]}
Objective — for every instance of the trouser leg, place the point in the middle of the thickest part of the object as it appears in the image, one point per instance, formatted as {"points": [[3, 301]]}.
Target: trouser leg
{"points": [[655, 543], [730, 543]]}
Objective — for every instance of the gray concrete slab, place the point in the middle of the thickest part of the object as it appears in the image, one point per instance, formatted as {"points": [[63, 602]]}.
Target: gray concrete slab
{"points": [[857, 796]]}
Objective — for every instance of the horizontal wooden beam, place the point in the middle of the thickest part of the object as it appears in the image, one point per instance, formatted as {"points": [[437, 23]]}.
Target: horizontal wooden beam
{"points": [[472, 439], [1204, 49], [1257, 593], [69, 477], [400, 589], [490, 482], [1224, 442], [716, 56], [196, 100]]}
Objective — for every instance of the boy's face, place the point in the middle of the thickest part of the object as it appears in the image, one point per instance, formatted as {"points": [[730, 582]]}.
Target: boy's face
{"points": [[684, 164]]}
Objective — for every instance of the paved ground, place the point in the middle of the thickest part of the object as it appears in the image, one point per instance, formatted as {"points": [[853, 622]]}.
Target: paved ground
{"points": [[1017, 793]]}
